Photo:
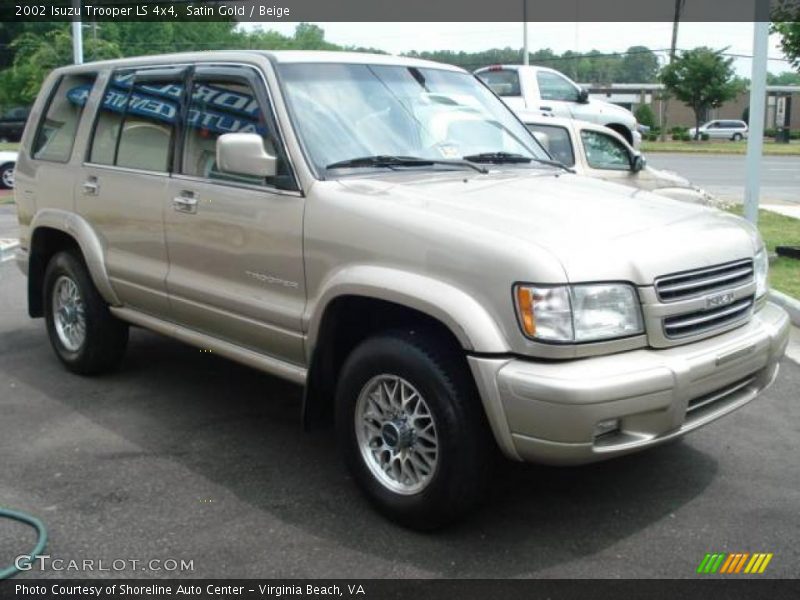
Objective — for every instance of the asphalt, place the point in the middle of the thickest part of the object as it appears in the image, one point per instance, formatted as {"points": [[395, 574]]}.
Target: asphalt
{"points": [[724, 174], [183, 455]]}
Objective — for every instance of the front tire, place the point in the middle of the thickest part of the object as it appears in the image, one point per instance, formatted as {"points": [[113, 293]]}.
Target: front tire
{"points": [[412, 430], [86, 337]]}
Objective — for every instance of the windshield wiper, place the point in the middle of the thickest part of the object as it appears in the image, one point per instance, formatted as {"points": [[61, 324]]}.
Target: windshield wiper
{"points": [[388, 161], [500, 158]]}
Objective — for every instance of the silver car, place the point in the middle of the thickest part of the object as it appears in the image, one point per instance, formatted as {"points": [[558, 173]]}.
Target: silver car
{"points": [[385, 232], [722, 130]]}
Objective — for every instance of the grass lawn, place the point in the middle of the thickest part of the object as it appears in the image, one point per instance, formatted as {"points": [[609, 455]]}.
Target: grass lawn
{"points": [[721, 147], [779, 230], [9, 146]]}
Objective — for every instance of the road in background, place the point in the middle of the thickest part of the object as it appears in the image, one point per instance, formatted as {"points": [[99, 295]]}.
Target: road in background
{"points": [[724, 174]]}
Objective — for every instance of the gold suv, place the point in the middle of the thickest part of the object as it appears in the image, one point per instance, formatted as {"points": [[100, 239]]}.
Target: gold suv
{"points": [[385, 232]]}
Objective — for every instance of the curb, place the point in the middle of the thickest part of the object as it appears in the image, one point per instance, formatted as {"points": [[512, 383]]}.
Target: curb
{"points": [[789, 304]]}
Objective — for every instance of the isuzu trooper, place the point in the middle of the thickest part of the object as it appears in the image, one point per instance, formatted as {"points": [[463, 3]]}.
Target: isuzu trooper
{"points": [[386, 233]]}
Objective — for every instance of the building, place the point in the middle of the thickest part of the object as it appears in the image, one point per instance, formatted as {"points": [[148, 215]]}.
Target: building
{"points": [[632, 95]]}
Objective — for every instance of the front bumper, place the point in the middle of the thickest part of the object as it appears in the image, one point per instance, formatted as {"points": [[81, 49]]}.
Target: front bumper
{"points": [[547, 411]]}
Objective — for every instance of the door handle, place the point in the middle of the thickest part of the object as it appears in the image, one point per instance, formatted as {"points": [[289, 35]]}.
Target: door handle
{"points": [[185, 203], [547, 108], [91, 187]]}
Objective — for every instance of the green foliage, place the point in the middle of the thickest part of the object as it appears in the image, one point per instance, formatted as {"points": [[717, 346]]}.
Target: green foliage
{"points": [[786, 23], [644, 114], [702, 79], [785, 78], [639, 65], [705, 137], [37, 55]]}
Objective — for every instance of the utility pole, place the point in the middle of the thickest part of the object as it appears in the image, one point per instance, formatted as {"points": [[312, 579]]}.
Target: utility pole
{"points": [[755, 138], [77, 35], [524, 32], [665, 98]]}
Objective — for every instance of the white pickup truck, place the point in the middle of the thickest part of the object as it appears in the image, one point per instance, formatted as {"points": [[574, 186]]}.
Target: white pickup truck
{"points": [[530, 88]]}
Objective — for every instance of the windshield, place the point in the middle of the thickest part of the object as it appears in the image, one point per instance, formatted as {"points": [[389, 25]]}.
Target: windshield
{"points": [[347, 111]]}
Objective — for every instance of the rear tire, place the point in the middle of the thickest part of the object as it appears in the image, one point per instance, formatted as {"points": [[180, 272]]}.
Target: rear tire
{"points": [[86, 337], [737, 137], [412, 430]]}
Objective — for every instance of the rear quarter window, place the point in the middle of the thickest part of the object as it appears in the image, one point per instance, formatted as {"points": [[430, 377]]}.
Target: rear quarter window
{"points": [[503, 82], [55, 134], [559, 144]]}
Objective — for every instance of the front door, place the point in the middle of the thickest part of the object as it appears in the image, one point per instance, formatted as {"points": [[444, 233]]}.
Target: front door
{"points": [[558, 94], [607, 158], [235, 242]]}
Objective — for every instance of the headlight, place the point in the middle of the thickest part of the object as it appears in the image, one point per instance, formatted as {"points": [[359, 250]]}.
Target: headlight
{"points": [[761, 271], [579, 313]]}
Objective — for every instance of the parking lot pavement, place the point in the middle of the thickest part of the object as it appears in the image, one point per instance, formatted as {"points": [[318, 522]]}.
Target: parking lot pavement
{"points": [[183, 455]]}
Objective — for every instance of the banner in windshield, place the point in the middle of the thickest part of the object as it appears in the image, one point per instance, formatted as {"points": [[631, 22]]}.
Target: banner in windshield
{"points": [[225, 111]]}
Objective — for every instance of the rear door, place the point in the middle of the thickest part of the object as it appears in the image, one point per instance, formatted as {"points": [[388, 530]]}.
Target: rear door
{"points": [[235, 242], [124, 183]]}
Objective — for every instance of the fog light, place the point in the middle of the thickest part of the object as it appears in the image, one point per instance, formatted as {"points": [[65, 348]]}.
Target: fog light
{"points": [[606, 427]]}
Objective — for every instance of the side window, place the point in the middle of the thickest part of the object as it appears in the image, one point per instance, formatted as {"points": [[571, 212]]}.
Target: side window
{"points": [[605, 152], [55, 136], [559, 145], [224, 106], [503, 82], [553, 86], [136, 123]]}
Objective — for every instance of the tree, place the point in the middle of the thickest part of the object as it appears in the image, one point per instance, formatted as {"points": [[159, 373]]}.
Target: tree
{"points": [[644, 114], [639, 65], [786, 22], [702, 79], [785, 78], [37, 55]]}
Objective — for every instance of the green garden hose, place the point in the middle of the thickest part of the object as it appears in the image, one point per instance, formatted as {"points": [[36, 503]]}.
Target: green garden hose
{"points": [[19, 565]]}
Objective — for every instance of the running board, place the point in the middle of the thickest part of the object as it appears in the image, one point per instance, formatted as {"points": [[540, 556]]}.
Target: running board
{"points": [[262, 362]]}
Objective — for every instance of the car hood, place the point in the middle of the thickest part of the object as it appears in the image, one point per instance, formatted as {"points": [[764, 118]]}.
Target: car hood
{"points": [[8, 157], [598, 231]]}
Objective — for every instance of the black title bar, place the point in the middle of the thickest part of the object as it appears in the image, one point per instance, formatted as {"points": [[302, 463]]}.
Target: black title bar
{"points": [[399, 10]]}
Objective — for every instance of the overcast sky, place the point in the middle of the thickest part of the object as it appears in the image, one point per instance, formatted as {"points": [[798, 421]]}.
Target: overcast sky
{"points": [[581, 37]]}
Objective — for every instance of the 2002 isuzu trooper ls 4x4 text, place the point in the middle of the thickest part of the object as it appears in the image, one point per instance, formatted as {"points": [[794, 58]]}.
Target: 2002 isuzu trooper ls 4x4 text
{"points": [[385, 232]]}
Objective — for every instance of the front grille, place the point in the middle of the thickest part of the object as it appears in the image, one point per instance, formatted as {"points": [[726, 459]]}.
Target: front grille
{"points": [[718, 397], [679, 286], [706, 320]]}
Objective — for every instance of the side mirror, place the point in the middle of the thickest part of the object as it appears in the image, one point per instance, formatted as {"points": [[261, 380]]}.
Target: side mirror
{"points": [[244, 154], [583, 96], [638, 163]]}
